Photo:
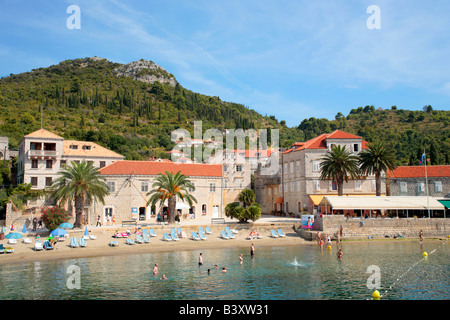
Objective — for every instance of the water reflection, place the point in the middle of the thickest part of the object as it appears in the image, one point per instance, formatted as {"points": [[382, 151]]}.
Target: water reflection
{"points": [[303, 272]]}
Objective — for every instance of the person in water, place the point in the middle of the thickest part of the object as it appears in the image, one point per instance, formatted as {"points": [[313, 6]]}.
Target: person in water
{"points": [[200, 259], [340, 254], [155, 269]]}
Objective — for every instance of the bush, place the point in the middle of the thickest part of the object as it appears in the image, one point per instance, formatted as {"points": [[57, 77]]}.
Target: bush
{"points": [[54, 216]]}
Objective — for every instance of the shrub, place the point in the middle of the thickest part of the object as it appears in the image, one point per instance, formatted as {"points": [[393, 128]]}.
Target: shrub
{"points": [[54, 216]]}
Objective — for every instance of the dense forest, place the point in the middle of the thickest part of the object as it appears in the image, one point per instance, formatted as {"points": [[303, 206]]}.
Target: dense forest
{"points": [[85, 99]]}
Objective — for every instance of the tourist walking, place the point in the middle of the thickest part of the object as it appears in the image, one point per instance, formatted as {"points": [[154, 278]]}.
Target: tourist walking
{"points": [[99, 222]]}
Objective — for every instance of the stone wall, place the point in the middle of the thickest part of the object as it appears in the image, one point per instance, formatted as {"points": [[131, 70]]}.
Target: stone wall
{"points": [[381, 227]]}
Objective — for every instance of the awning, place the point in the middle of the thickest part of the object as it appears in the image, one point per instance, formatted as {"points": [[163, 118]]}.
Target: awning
{"points": [[279, 200], [446, 203], [381, 203], [316, 199]]}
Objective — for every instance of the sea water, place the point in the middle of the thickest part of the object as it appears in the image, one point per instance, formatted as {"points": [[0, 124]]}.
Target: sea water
{"points": [[274, 273]]}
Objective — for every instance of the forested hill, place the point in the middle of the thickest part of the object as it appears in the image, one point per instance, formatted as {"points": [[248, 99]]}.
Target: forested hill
{"points": [[132, 109]]}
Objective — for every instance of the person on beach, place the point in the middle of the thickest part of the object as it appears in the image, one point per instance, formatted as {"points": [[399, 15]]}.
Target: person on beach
{"points": [[114, 220], [99, 222], [35, 222], [252, 250], [318, 238], [341, 231], [200, 259], [155, 269], [421, 235]]}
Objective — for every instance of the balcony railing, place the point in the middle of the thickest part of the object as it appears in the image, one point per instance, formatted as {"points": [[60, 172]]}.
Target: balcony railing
{"points": [[42, 153]]}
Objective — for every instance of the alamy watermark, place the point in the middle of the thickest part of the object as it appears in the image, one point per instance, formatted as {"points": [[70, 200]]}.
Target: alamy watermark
{"points": [[74, 20], [74, 279], [374, 21], [374, 280], [208, 146]]}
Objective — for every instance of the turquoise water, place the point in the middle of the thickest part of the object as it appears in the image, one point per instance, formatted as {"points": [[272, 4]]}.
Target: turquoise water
{"points": [[280, 273]]}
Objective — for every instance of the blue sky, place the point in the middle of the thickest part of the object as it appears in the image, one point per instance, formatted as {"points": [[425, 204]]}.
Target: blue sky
{"points": [[292, 59]]}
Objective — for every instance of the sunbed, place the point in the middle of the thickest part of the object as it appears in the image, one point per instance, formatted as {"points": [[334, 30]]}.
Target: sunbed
{"points": [[6, 249], [146, 237], [139, 239], [113, 244], [166, 237], [73, 243], [152, 232], [208, 230], [26, 240], [281, 233], [224, 235], [48, 245], [201, 234], [130, 242], [12, 241], [38, 245], [195, 236], [92, 237], [82, 242], [173, 234], [230, 234], [273, 234]]}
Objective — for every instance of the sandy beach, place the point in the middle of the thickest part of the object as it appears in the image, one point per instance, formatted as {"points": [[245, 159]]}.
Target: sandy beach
{"points": [[99, 247]]}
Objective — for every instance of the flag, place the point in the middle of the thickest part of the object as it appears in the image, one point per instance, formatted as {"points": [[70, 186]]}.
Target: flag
{"points": [[422, 158]]}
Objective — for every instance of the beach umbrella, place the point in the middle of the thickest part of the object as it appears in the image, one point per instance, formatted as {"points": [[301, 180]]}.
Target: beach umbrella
{"points": [[13, 235], [66, 225], [58, 232], [86, 232], [24, 230]]}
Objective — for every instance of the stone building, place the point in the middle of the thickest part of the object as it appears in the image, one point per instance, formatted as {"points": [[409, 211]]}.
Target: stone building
{"points": [[42, 154], [410, 181], [130, 181], [300, 188]]}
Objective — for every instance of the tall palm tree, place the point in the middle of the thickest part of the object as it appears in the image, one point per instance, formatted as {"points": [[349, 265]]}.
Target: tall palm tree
{"points": [[376, 159], [79, 182], [168, 187], [338, 165]]}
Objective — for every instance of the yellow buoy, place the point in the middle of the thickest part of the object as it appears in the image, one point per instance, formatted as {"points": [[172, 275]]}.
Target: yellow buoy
{"points": [[425, 254], [376, 295]]}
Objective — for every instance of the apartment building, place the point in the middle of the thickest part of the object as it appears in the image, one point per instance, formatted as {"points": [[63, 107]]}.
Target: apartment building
{"points": [[42, 154], [300, 187], [130, 181]]}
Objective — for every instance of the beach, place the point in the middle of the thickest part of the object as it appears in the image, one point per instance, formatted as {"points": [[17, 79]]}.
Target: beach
{"points": [[99, 247]]}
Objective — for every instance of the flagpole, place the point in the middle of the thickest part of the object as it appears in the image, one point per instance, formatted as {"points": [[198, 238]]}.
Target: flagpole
{"points": [[426, 184]]}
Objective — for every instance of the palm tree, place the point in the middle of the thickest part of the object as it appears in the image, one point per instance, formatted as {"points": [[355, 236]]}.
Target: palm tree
{"points": [[168, 187], [339, 165], [79, 182], [247, 196], [376, 159]]}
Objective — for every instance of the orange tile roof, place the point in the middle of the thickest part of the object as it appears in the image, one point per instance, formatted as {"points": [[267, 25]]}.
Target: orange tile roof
{"points": [[338, 134], [419, 172], [42, 133], [319, 142], [127, 167], [87, 149]]}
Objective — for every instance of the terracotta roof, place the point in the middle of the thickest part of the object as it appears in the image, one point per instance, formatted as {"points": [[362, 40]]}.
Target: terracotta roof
{"points": [[127, 167], [338, 134], [87, 149], [319, 142], [42, 133], [419, 172]]}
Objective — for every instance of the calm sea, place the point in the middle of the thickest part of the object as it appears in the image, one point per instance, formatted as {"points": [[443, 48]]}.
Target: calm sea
{"points": [[274, 273]]}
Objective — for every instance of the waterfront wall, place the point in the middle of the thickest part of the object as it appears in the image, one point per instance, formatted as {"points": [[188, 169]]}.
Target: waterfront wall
{"points": [[381, 227]]}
